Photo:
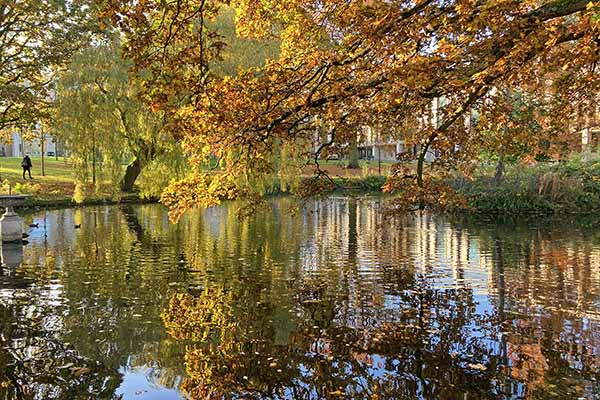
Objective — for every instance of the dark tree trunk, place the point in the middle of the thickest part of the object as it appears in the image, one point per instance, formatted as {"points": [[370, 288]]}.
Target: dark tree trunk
{"points": [[94, 159], [500, 167], [499, 175], [420, 167], [353, 154], [131, 174], [420, 170], [42, 148]]}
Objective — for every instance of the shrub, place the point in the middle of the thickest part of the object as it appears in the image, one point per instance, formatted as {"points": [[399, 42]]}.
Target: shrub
{"points": [[573, 186], [28, 188]]}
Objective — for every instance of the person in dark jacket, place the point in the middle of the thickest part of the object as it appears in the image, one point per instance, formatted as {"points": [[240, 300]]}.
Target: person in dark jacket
{"points": [[26, 164]]}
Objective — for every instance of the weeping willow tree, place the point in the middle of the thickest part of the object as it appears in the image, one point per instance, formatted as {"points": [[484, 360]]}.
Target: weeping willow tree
{"points": [[112, 137], [239, 53], [104, 120]]}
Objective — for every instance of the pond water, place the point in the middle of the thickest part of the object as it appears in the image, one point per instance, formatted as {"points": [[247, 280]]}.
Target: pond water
{"points": [[332, 300]]}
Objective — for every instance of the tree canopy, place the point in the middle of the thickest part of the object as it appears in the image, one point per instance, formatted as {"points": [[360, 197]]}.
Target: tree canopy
{"points": [[37, 38], [345, 64], [102, 121]]}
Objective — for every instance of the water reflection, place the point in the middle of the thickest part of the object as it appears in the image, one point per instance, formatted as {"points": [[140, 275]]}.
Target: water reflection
{"points": [[12, 255], [334, 301]]}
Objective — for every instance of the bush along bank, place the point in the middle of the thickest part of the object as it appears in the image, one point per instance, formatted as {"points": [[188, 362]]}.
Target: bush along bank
{"points": [[546, 188], [64, 202], [572, 187], [366, 184], [358, 184]]}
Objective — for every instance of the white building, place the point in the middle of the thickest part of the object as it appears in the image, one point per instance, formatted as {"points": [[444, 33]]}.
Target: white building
{"points": [[377, 145], [18, 146]]}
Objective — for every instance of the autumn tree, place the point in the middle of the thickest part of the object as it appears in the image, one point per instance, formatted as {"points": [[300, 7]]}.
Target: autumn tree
{"points": [[104, 124], [509, 129], [347, 64], [37, 39]]}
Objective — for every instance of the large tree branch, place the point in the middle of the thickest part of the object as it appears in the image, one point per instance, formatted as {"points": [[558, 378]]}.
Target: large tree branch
{"points": [[558, 8]]}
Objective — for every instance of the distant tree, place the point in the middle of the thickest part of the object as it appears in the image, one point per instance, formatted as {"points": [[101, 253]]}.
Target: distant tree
{"points": [[353, 153], [37, 39], [101, 120]]}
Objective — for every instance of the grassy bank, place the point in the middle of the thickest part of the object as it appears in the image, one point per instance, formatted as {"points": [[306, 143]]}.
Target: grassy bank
{"points": [[56, 187], [569, 187], [65, 202], [58, 182], [53, 189], [547, 188]]}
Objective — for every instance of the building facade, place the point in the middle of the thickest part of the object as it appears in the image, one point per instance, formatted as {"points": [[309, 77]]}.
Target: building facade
{"points": [[377, 145], [18, 146]]}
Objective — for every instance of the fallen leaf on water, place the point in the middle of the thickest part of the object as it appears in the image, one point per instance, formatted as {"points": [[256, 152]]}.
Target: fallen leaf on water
{"points": [[479, 367], [80, 371]]}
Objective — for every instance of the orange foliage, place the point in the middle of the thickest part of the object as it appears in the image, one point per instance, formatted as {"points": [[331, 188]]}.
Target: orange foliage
{"points": [[345, 64]]}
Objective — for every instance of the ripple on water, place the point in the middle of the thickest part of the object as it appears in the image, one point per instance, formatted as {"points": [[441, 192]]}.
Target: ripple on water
{"points": [[335, 301]]}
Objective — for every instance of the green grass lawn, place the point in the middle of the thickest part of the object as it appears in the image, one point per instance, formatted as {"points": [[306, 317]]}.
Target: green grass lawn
{"points": [[55, 170], [57, 181], [56, 186]]}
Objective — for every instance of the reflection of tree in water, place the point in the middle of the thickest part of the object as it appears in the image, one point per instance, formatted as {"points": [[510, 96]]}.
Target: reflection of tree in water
{"points": [[109, 278], [422, 345], [545, 291], [333, 306], [114, 289], [394, 336], [35, 364]]}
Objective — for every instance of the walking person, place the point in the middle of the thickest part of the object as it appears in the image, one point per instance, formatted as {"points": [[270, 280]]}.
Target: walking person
{"points": [[26, 164]]}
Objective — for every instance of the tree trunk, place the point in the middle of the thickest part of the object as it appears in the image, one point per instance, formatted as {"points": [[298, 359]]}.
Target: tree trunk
{"points": [[43, 149], [420, 166], [94, 159], [353, 154], [500, 168], [131, 174]]}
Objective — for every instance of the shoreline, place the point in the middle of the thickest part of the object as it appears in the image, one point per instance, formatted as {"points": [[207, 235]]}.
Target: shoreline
{"points": [[68, 202], [511, 199]]}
